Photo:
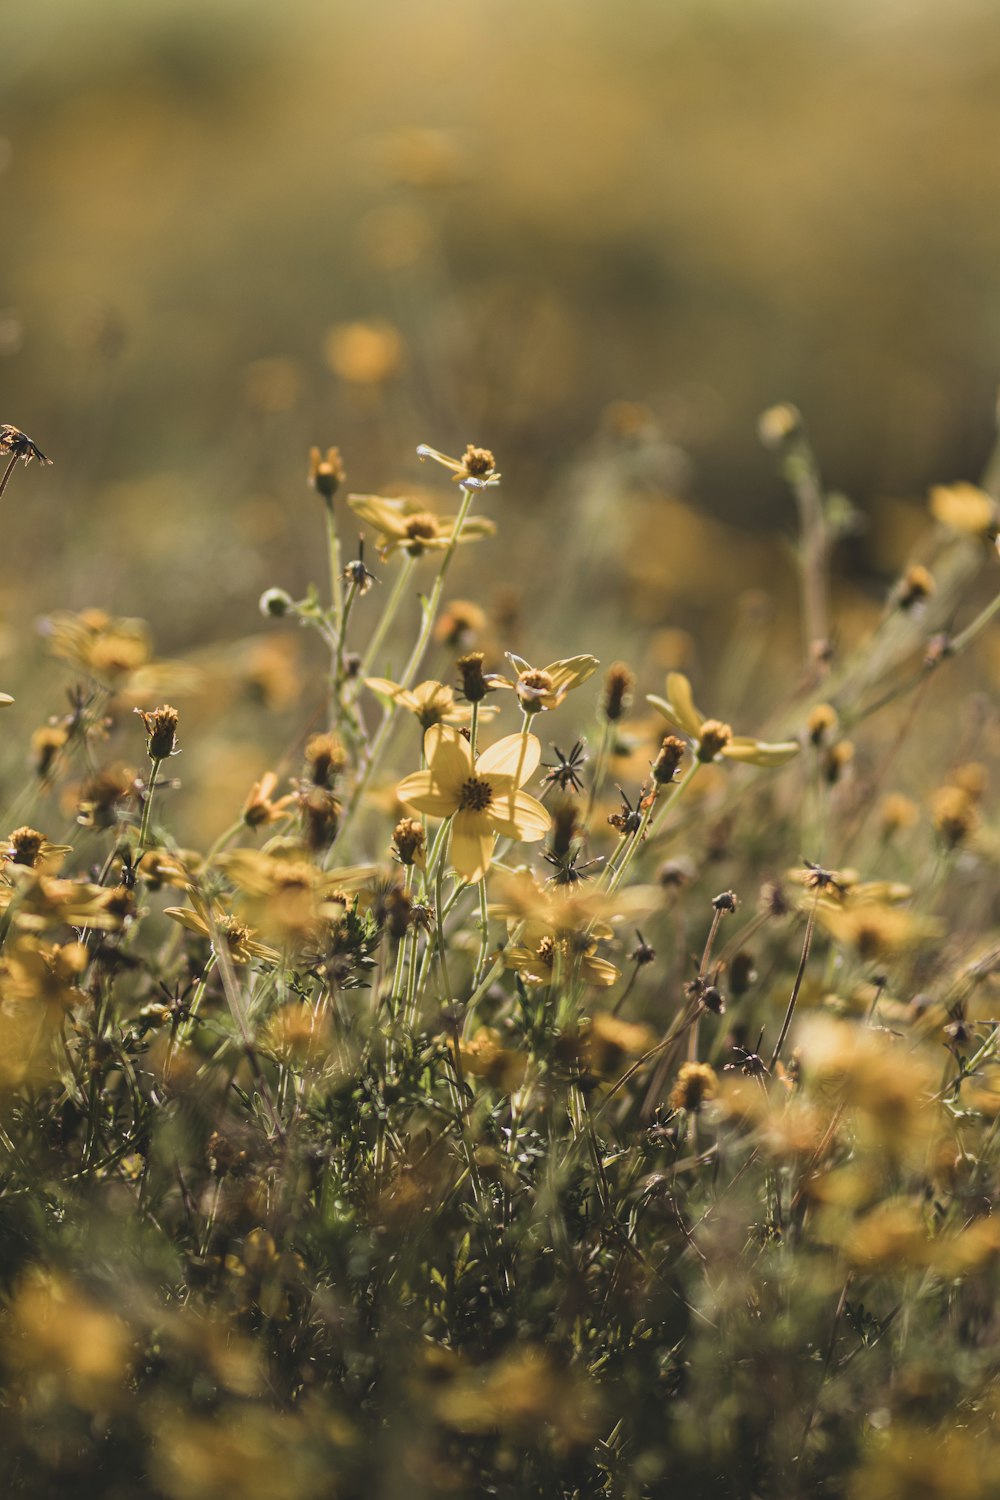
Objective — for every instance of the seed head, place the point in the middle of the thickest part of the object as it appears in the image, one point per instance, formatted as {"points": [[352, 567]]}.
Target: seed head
{"points": [[475, 685], [696, 1082], [821, 723], [619, 682], [408, 840], [161, 731], [18, 445], [670, 755], [714, 738], [325, 758]]}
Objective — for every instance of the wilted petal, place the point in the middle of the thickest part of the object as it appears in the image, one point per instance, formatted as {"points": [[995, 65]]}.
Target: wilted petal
{"points": [[387, 516], [515, 755], [759, 752], [681, 703], [471, 845]]}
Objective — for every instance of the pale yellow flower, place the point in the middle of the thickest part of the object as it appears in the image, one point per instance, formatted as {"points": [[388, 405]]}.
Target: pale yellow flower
{"points": [[711, 738], [483, 798], [408, 526], [545, 687], [432, 702]]}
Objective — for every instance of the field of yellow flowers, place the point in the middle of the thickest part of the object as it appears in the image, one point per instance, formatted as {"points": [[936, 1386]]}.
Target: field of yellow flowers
{"points": [[534, 1084]]}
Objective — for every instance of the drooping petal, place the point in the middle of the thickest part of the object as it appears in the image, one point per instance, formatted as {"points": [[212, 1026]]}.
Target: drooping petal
{"points": [[571, 672], [420, 790], [598, 971], [759, 752], [449, 757], [520, 816], [387, 516], [681, 702], [515, 755], [471, 845], [473, 528], [518, 663]]}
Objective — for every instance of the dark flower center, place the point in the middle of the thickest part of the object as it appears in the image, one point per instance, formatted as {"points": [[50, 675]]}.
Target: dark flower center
{"points": [[475, 796]]}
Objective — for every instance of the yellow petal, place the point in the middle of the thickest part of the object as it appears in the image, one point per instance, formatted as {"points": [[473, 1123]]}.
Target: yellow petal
{"points": [[759, 752], [420, 790], [189, 919], [385, 515], [449, 758], [682, 704], [571, 672], [471, 845], [598, 971], [520, 816], [515, 755]]}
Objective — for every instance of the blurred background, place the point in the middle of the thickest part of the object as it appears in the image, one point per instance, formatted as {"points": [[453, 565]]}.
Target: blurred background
{"points": [[599, 239]]}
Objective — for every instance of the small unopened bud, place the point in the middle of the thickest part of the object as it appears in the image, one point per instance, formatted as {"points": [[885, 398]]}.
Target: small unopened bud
{"points": [[326, 474], [778, 425], [275, 603]]}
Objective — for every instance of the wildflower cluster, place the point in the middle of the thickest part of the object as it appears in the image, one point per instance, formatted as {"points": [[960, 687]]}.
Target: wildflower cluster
{"points": [[538, 1089]]}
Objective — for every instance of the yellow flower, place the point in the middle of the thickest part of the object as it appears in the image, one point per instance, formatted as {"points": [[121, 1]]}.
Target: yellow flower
{"points": [[711, 738], [546, 687], [259, 808], [432, 702], [538, 964], [476, 469], [238, 937], [964, 507], [483, 798], [406, 526]]}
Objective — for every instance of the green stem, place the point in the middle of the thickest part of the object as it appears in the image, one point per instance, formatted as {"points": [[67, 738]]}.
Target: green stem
{"points": [[370, 660], [336, 583], [147, 806]]}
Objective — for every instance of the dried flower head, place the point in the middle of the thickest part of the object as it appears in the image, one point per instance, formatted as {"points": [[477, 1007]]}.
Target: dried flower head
{"points": [[665, 766], [325, 759], [954, 814], [408, 841], [696, 1083], [619, 683], [19, 445], [161, 731]]}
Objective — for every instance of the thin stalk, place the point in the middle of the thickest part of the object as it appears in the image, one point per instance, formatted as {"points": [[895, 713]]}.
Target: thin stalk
{"points": [[147, 806], [7, 473], [336, 567], [796, 987], [370, 659]]}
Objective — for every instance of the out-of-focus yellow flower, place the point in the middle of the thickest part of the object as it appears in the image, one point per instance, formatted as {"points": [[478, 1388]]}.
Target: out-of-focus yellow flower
{"points": [[484, 798], [57, 1334], [485, 1056], [365, 354], [539, 688], [259, 809], [712, 738], [964, 507], [239, 939], [874, 928], [576, 958], [405, 525], [431, 702]]}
